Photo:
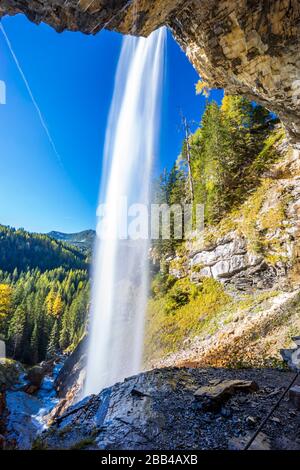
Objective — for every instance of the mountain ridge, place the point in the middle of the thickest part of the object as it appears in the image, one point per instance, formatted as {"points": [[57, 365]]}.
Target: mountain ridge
{"points": [[83, 240], [26, 250]]}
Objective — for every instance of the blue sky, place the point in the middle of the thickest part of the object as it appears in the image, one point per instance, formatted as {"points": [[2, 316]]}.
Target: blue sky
{"points": [[71, 76]]}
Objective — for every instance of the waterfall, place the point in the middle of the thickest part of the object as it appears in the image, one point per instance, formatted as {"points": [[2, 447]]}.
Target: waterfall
{"points": [[120, 278]]}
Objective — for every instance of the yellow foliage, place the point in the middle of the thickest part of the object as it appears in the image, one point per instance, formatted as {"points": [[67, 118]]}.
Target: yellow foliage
{"points": [[54, 304], [252, 347], [249, 216], [274, 217], [202, 88], [58, 306], [167, 329], [226, 103], [5, 299], [207, 315], [50, 301], [231, 109]]}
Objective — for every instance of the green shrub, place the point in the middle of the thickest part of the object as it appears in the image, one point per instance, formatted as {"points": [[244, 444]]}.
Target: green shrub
{"points": [[162, 283], [180, 294]]}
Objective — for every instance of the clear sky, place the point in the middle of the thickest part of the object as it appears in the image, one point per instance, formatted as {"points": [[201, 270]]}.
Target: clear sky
{"points": [[71, 76]]}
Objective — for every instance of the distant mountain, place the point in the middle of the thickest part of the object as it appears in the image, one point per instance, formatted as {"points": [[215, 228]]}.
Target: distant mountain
{"points": [[24, 250], [83, 240]]}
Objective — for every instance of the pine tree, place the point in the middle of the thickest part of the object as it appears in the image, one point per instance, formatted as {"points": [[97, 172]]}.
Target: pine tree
{"points": [[53, 340], [34, 343], [17, 332], [223, 150], [50, 299], [65, 334]]}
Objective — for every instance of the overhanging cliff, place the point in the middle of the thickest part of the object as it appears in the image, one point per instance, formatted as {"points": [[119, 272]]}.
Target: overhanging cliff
{"points": [[249, 47]]}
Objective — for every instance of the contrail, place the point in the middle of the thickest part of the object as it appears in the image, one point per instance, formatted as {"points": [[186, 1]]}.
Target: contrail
{"points": [[41, 118]]}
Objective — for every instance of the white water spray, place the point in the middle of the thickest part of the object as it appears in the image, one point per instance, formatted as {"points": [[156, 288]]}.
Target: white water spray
{"points": [[120, 281]]}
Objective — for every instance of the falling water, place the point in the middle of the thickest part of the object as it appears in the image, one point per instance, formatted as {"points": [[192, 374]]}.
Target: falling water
{"points": [[120, 281]]}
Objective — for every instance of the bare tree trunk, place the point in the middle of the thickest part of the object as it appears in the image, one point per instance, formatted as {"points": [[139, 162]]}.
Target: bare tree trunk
{"points": [[188, 158]]}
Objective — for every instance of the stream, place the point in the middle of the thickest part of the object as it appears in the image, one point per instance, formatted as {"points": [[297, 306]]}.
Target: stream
{"points": [[27, 413]]}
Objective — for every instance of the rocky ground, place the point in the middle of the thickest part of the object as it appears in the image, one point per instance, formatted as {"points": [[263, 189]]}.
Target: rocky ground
{"points": [[170, 409], [246, 337], [27, 395]]}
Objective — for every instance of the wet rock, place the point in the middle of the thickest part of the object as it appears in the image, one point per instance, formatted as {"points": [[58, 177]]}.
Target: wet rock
{"points": [[70, 380], [10, 372], [251, 421], [276, 420], [31, 389], [274, 393], [294, 396], [11, 378], [72, 373], [3, 417], [154, 410], [226, 412], [2, 442], [138, 393], [35, 376], [21, 429], [283, 443], [242, 400], [262, 442]]}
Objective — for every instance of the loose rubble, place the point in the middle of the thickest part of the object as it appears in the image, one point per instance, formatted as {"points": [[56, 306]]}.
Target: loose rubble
{"points": [[163, 409]]}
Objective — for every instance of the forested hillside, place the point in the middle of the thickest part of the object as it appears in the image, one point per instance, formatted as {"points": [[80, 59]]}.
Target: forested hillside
{"points": [[221, 163], [230, 297], [44, 295], [22, 250], [82, 240]]}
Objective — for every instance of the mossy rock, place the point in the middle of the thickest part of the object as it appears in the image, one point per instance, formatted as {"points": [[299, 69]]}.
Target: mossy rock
{"points": [[10, 372]]}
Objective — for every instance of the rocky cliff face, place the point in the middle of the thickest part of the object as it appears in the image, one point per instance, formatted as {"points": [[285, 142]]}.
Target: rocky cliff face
{"points": [[248, 47], [258, 245], [253, 254]]}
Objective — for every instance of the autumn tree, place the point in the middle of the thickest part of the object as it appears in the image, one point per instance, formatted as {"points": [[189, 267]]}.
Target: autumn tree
{"points": [[6, 293], [58, 306]]}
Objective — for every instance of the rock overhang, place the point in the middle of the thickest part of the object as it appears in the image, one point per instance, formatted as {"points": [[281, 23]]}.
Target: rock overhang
{"points": [[249, 47]]}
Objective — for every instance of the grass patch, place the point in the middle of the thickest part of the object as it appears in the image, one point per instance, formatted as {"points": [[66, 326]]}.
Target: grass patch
{"points": [[181, 314], [88, 441], [204, 314], [38, 444]]}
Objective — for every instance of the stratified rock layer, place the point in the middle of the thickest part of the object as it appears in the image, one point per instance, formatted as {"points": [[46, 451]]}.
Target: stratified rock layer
{"points": [[244, 46], [248, 47]]}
